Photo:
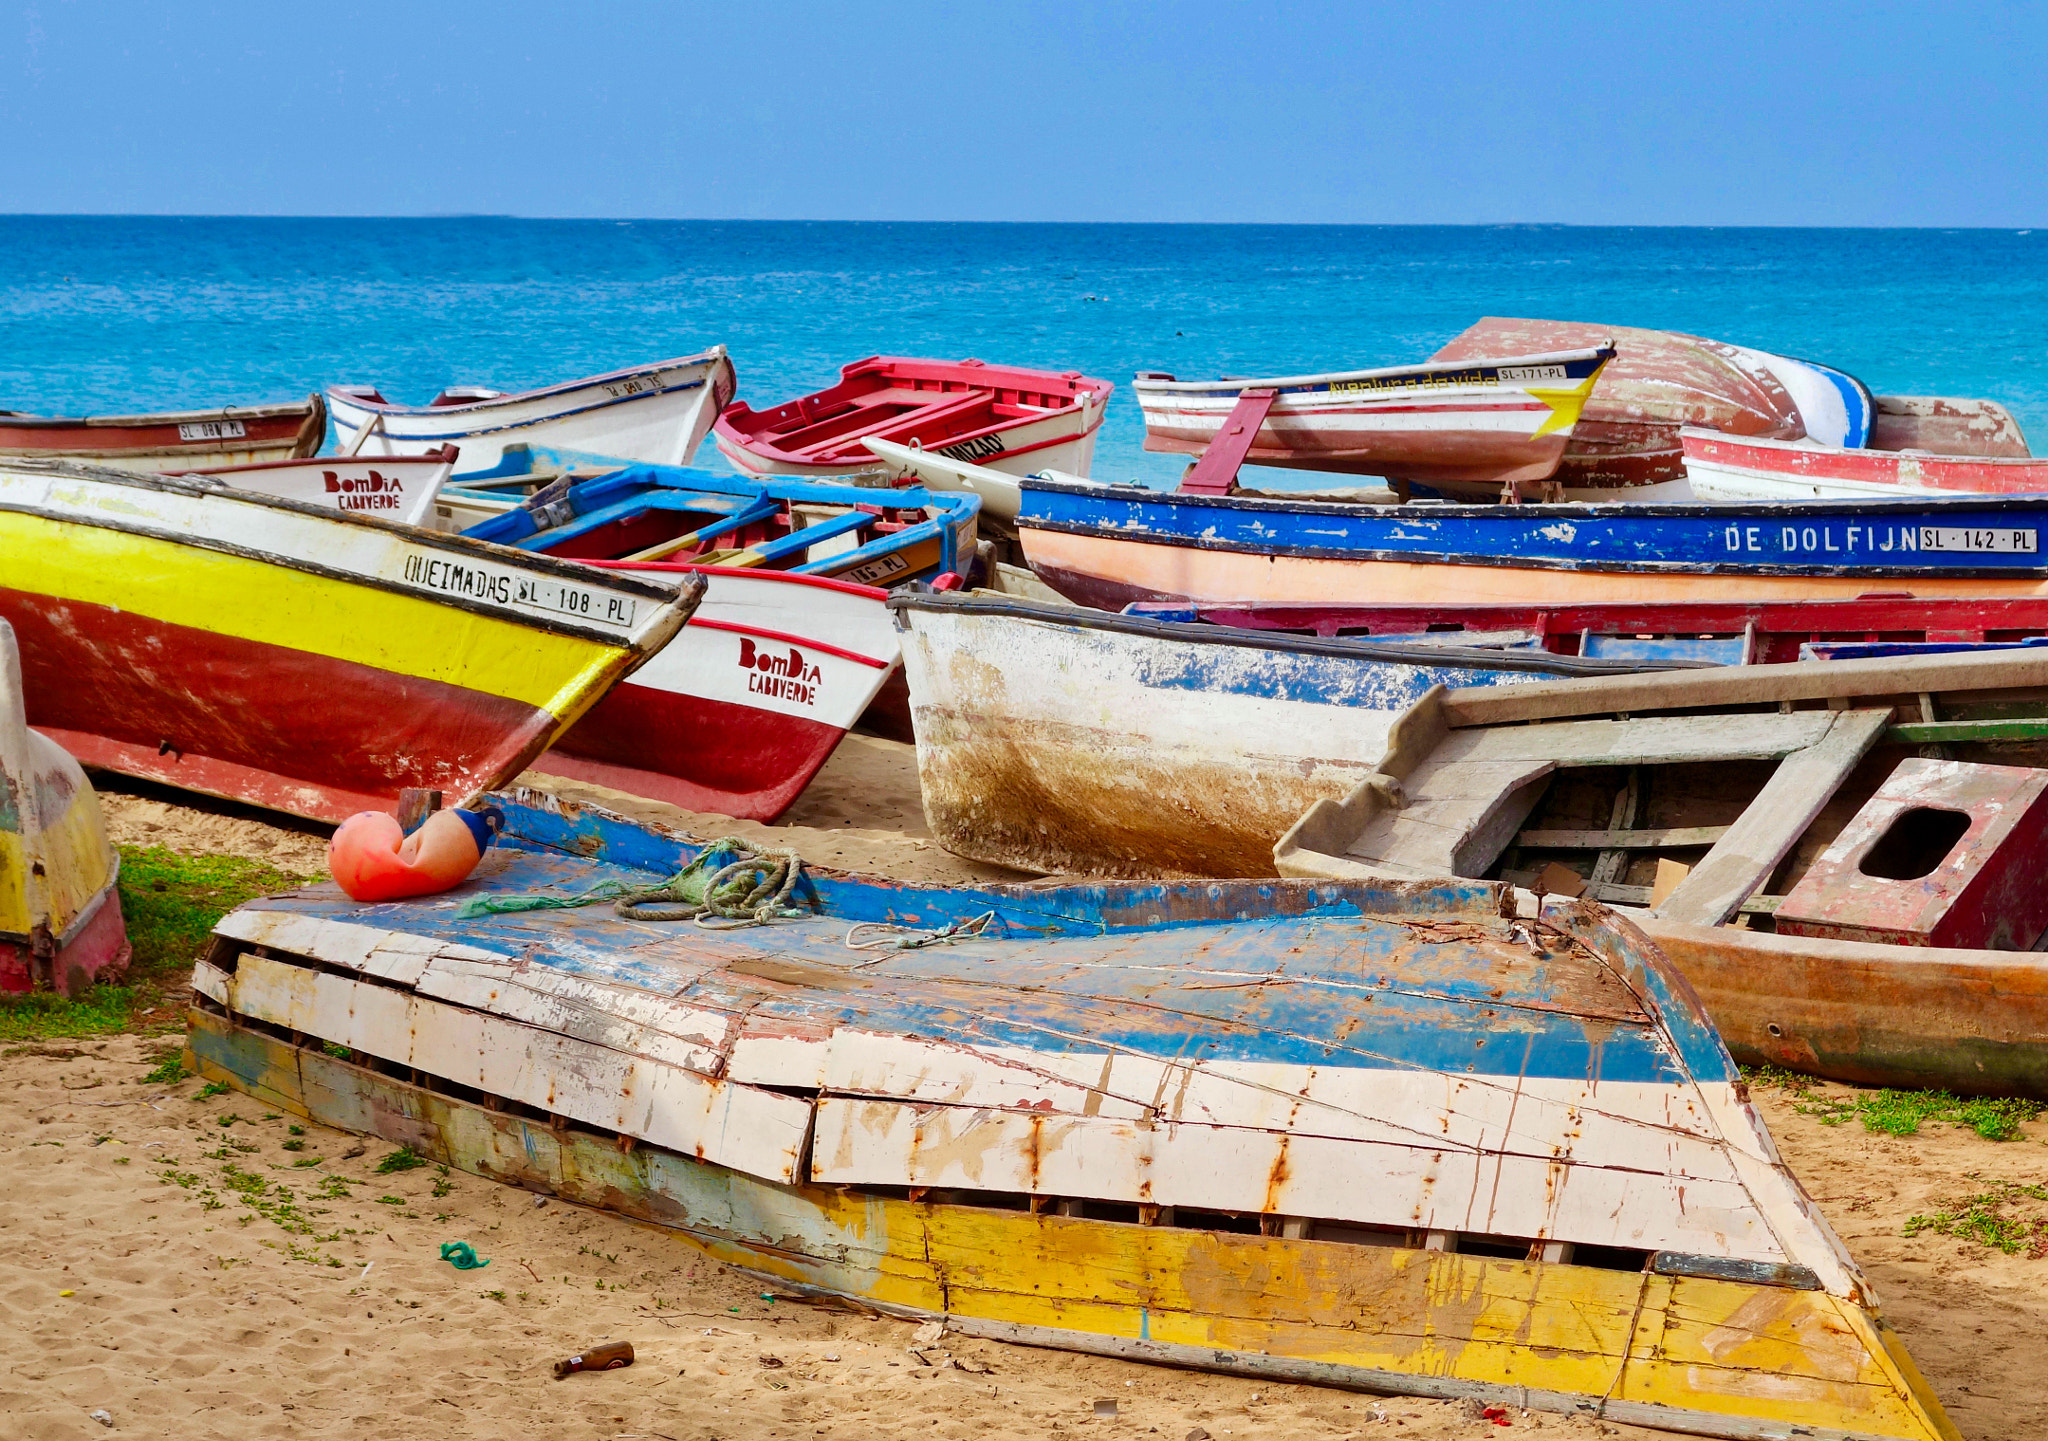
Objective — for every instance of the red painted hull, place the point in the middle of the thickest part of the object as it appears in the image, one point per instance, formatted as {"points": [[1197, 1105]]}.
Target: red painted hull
{"points": [[288, 729], [741, 761], [1779, 627], [99, 952], [300, 427]]}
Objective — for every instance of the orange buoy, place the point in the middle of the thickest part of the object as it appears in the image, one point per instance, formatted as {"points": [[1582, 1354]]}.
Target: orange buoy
{"points": [[374, 860]]}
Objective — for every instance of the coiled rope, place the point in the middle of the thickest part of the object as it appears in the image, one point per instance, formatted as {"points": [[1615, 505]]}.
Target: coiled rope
{"points": [[731, 885]]}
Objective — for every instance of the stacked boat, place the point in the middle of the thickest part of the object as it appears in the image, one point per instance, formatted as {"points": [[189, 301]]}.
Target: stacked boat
{"points": [[1429, 855]]}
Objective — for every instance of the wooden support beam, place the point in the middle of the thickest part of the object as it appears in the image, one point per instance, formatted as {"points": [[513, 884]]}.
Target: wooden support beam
{"points": [[1215, 470], [1743, 859], [1622, 840]]}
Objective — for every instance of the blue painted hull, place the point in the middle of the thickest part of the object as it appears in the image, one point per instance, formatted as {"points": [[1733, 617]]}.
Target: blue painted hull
{"points": [[1973, 536]]}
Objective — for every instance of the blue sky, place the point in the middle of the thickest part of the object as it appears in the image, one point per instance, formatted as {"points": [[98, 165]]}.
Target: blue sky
{"points": [[1588, 112]]}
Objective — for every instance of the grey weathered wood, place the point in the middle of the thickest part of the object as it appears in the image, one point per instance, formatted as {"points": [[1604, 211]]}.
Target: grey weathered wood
{"points": [[1622, 840], [1743, 859], [1619, 894], [1650, 740], [1904, 676]]}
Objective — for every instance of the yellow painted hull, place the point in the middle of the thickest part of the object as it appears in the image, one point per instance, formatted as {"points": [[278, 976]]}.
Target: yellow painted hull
{"points": [[1708, 1356]]}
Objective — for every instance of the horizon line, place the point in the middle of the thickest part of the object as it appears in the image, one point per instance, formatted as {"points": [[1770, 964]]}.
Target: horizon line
{"points": [[1131, 224]]}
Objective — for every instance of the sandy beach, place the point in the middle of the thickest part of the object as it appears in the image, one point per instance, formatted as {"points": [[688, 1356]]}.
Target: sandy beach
{"points": [[193, 1266]]}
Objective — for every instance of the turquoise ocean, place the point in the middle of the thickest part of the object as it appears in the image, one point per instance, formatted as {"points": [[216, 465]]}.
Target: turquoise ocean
{"points": [[124, 314]]}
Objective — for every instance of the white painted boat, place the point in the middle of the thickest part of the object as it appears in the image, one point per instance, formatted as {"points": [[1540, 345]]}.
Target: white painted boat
{"points": [[1466, 428], [1000, 496], [1059, 739], [1746, 468], [657, 413], [401, 488], [737, 713]]}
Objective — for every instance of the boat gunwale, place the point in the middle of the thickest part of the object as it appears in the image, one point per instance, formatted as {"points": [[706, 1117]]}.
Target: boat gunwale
{"points": [[1339, 648], [266, 411], [551, 566], [342, 391]]}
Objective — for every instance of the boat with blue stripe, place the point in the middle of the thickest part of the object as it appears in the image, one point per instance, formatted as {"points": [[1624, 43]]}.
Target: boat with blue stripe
{"points": [[1371, 1135], [1108, 545]]}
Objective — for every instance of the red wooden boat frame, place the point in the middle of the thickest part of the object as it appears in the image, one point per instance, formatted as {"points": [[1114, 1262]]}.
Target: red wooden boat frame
{"points": [[1776, 629], [301, 424], [964, 409]]}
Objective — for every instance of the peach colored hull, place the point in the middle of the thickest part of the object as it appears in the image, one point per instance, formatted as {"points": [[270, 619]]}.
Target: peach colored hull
{"points": [[1104, 572]]}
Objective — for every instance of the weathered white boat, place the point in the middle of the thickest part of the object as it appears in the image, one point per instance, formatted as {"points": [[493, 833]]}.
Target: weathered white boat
{"points": [[1056, 738], [60, 914], [1746, 468], [657, 413], [1373, 1136], [1466, 428], [400, 488]]}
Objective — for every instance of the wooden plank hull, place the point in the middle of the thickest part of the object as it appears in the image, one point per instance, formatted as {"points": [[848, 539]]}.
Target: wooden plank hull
{"points": [[1467, 428], [1682, 1353], [1731, 468], [1060, 740], [737, 713], [656, 413], [294, 658], [1107, 546], [232, 435]]}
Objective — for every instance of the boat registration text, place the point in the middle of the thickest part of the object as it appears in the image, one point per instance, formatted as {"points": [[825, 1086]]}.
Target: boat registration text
{"points": [[213, 430], [521, 592]]}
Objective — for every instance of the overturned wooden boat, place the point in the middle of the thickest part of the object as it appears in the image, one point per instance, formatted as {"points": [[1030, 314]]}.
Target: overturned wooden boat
{"points": [[171, 440], [1842, 857], [738, 712], [400, 488], [1061, 739], [1006, 417], [657, 413], [1345, 1134], [1108, 545], [1626, 443], [60, 914], [1467, 427], [1740, 468], [295, 657]]}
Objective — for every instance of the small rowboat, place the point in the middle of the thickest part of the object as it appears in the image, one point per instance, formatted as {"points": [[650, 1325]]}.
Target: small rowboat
{"points": [[1626, 443], [859, 534], [1004, 417], [657, 413], [175, 440], [60, 914], [294, 657], [1466, 428], [400, 488], [1844, 905], [1060, 739], [792, 644], [1734, 468], [1373, 1136], [736, 714]]}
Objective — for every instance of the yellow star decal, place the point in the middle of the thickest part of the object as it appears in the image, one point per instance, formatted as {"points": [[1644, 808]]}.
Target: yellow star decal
{"points": [[1565, 404]]}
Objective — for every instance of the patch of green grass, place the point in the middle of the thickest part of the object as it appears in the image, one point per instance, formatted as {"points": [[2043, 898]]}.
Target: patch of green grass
{"points": [[1778, 1078], [1901, 1113], [293, 1146], [405, 1158], [336, 1050], [211, 1088], [1991, 1218], [171, 903], [170, 1069]]}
